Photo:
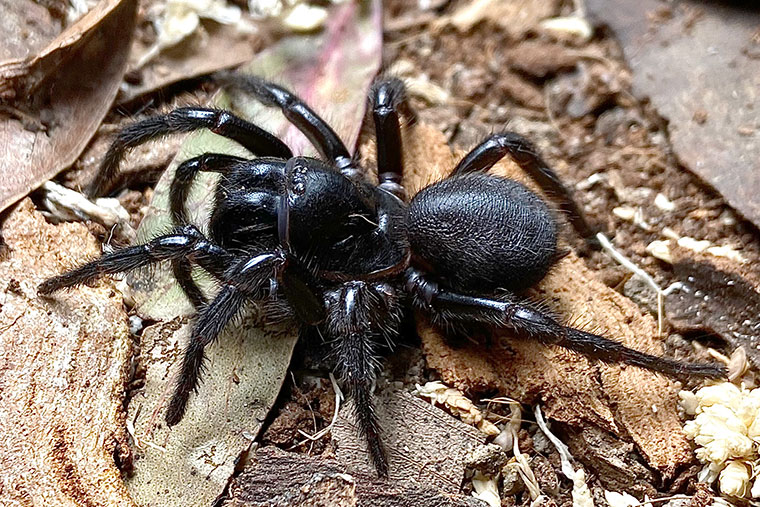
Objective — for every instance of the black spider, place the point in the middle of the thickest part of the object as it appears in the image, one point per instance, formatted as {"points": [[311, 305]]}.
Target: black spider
{"points": [[320, 241]]}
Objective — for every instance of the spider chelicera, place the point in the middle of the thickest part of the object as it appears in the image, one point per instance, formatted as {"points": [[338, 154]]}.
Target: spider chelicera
{"points": [[317, 240]]}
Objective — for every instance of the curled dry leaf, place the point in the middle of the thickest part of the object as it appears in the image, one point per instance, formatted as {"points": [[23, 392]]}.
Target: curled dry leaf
{"points": [[65, 365], [619, 399], [194, 460], [720, 297], [59, 96]]}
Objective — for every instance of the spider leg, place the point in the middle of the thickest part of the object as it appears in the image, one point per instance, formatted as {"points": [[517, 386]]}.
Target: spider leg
{"points": [[186, 119], [317, 130], [355, 352], [359, 315], [185, 175], [246, 280], [388, 96], [182, 269], [178, 192], [187, 243], [527, 322], [497, 146]]}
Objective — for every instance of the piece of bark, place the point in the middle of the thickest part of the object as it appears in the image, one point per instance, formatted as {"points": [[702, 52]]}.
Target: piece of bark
{"points": [[614, 461], [58, 97], [277, 478], [624, 400], [542, 60], [428, 453], [424, 444], [65, 365]]}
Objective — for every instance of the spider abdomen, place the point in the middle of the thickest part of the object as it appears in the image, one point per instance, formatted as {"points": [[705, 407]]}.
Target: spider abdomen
{"points": [[479, 232]]}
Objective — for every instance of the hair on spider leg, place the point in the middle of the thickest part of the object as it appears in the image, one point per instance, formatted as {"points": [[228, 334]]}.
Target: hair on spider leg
{"points": [[316, 242]]}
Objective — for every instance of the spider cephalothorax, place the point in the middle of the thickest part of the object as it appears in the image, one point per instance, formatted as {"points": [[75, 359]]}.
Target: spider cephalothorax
{"points": [[316, 239]]}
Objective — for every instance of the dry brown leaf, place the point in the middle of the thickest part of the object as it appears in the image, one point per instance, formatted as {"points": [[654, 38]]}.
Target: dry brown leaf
{"points": [[620, 399], [65, 365], [60, 95], [720, 297], [212, 47], [194, 460]]}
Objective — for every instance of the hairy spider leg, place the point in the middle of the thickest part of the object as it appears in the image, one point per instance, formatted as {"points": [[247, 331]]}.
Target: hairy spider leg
{"points": [[448, 306], [178, 192], [244, 281], [185, 175], [361, 315], [317, 130], [388, 96], [522, 151], [186, 119], [188, 243]]}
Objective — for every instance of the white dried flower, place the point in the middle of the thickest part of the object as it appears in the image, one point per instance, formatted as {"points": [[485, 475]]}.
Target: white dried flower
{"points": [[688, 402], [486, 488], [305, 18], [581, 494], [734, 479], [727, 430], [623, 499], [724, 394]]}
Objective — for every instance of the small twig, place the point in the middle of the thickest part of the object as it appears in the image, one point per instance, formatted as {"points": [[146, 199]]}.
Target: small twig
{"points": [[564, 453], [628, 264], [131, 430], [581, 494], [133, 433], [328, 428]]}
